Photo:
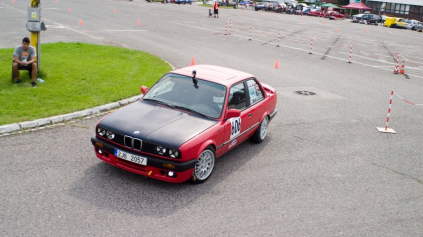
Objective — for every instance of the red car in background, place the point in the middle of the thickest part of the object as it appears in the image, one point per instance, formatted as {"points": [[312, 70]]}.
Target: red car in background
{"points": [[333, 14], [315, 13], [184, 122]]}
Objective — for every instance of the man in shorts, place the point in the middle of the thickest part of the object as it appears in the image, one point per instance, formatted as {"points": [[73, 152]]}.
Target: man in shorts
{"points": [[216, 9], [24, 57]]}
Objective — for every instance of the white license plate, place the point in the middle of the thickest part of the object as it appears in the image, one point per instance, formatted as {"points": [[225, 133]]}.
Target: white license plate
{"points": [[130, 157]]}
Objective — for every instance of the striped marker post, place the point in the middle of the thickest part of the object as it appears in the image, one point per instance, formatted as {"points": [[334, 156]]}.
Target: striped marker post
{"points": [[226, 28], [350, 54], [397, 65], [230, 26], [251, 27], [311, 45], [279, 38], [386, 129]]}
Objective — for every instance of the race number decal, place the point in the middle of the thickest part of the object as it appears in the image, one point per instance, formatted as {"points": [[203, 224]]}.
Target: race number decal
{"points": [[235, 127]]}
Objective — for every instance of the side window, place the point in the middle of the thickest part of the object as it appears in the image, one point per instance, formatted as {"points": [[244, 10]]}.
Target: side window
{"points": [[255, 94], [237, 98]]}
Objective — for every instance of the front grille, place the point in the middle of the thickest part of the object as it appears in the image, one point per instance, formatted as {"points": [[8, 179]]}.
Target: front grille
{"points": [[133, 143]]}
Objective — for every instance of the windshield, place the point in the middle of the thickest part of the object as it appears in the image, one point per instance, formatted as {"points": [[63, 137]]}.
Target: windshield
{"points": [[207, 98]]}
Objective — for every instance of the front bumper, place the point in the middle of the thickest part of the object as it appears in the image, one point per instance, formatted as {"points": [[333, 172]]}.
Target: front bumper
{"points": [[155, 168]]}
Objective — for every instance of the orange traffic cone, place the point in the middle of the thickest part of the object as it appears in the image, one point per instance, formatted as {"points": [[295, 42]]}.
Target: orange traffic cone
{"points": [[365, 30], [192, 61], [323, 22], [402, 69], [240, 14], [277, 64], [69, 10], [302, 21], [337, 30], [13, 1], [138, 23], [56, 1], [80, 22], [114, 11]]}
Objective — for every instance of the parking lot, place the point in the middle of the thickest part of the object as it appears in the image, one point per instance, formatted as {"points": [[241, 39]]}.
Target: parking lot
{"points": [[323, 170]]}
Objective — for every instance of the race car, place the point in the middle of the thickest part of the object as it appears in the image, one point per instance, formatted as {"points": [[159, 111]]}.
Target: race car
{"points": [[186, 120]]}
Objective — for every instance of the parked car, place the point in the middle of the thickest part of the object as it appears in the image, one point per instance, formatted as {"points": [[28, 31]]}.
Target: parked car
{"points": [[260, 6], [188, 118], [333, 14], [314, 12], [183, 2], [408, 24], [418, 27], [356, 18], [394, 22], [227, 3]]}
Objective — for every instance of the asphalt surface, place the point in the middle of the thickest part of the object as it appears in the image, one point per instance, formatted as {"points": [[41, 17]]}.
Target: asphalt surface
{"points": [[323, 170]]}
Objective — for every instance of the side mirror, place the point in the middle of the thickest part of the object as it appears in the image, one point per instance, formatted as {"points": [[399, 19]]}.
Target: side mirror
{"points": [[144, 90], [233, 113]]}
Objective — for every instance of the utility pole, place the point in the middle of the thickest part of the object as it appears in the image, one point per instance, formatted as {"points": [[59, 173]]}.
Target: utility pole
{"points": [[34, 26]]}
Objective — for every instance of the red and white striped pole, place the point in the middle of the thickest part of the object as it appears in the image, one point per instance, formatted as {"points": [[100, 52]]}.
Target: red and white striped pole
{"points": [[350, 54], [389, 110], [386, 129], [397, 65], [230, 26], [251, 27], [279, 38], [311, 45], [226, 28]]}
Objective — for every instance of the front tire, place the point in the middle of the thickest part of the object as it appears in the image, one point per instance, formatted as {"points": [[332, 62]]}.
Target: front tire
{"points": [[261, 131], [204, 166]]}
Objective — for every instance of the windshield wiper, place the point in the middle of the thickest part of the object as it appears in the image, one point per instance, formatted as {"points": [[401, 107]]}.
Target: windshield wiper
{"points": [[190, 110], [159, 102]]}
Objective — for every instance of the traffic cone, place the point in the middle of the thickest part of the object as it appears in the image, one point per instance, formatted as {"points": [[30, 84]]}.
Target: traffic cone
{"points": [[337, 30], [69, 10], [302, 21], [240, 14], [277, 64], [56, 1], [114, 11], [323, 22], [365, 30], [13, 1], [138, 23], [402, 69], [192, 61], [80, 22], [196, 8]]}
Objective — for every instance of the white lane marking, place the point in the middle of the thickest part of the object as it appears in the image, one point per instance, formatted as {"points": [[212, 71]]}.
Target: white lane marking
{"points": [[56, 23], [284, 46]]}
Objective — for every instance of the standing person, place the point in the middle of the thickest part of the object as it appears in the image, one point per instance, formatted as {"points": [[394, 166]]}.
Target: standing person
{"points": [[24, 57], [216, 9]]}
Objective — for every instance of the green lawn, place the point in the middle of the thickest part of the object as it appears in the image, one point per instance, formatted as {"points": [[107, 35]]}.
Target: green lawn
{"points": [[77, 76]]}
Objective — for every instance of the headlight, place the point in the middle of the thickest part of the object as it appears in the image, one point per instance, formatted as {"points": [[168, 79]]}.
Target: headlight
{"points": [[173, 153], [101, 131], [161, 150], [110, 135]]}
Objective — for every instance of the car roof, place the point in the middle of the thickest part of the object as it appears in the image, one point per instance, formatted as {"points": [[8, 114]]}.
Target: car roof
{"points": [[217, 74]]}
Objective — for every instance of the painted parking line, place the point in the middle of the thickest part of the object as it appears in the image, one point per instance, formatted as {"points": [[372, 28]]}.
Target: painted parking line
{"points": [[289, 47]]}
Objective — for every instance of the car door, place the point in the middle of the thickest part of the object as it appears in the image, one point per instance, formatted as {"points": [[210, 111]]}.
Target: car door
{"points": [[255, 97], [235, 127]]}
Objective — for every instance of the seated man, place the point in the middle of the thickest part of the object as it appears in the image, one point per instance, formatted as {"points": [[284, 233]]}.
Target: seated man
{"points": [[24, 58]]}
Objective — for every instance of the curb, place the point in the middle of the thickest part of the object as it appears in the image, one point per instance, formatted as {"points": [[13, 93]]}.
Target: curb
{"points": [[16, 128], [10, 129]]}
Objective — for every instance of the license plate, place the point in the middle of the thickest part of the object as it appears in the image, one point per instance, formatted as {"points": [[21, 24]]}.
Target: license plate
{"points": [[130, 157]]}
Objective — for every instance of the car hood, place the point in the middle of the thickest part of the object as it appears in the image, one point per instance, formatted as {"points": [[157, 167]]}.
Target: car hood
{"points": [[156, 123]]}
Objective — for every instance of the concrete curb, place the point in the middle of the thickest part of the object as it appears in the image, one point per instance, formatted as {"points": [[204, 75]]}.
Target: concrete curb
{"points": [[8, 129], [15, 128]]}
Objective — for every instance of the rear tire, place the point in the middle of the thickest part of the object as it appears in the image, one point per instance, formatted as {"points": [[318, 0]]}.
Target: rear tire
{"points": [[261, 131]]}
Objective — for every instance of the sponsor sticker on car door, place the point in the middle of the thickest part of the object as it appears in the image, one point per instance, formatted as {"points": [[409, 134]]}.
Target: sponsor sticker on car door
{"points": [[235, 127]]}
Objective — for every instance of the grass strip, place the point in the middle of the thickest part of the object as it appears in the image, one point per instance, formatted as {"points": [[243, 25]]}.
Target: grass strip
{"points": [[77, 76]]}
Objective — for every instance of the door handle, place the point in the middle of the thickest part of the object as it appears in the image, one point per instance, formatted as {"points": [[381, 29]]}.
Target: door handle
{"points": [[249, 115]]}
